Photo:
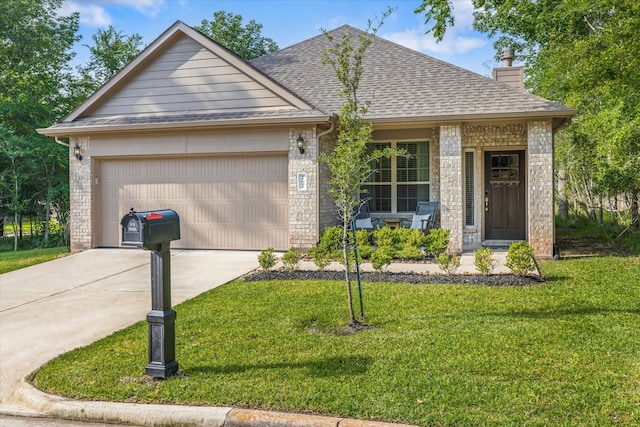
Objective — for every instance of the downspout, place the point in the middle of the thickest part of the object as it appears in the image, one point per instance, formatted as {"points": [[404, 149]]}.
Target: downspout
{"points": [[332, 120], [60, 142], [331, 128]]}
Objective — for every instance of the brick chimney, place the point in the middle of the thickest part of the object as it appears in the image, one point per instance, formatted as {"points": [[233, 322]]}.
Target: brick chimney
{"points": [[512, 76]]}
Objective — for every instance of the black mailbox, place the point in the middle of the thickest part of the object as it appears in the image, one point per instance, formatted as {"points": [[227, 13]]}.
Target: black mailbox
{"points": [[151, 228]]}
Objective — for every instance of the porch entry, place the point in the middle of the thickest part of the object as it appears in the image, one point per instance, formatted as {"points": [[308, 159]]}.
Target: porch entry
{"points": [[504, 195]]}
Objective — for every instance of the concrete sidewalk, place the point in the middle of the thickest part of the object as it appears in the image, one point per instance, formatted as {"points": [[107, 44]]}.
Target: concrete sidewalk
{"points": [[52, 308]]}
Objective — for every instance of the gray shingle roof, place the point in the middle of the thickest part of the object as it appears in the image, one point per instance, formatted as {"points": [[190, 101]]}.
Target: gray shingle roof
{"points": [[400, 83]]}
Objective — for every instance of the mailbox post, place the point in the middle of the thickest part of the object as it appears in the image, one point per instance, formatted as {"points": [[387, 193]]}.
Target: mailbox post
{"points": [[154, 231]]}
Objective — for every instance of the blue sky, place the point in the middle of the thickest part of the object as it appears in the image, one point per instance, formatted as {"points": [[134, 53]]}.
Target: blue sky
{"points": [[289, 22]]}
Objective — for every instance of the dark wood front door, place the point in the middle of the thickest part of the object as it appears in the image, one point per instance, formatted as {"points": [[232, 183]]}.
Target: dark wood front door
{"points": [[504, 200]]}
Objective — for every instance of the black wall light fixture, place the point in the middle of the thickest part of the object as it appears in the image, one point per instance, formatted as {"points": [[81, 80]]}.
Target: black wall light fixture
{"points": [[76, 151], [300, 142]]}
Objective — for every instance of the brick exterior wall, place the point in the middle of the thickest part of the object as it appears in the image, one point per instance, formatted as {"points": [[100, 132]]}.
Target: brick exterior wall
{"points": [[327, 207], [540, 209], [80, 196], [537, 139], [479, 138], [303, 204], [451, 206]]}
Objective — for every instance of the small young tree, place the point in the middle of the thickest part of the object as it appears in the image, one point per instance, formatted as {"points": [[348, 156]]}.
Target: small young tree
{"points": [[350, 161]]}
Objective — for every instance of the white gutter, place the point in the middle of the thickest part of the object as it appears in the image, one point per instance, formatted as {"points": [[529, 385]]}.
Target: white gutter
{"points": [[60, 142]]}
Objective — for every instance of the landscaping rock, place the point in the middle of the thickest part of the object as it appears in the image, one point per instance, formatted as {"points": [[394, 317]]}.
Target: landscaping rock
{"points": [[409, 278]]}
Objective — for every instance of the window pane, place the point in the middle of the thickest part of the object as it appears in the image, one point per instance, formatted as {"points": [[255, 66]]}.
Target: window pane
{"points": [[382, 167], [379, 197], [415, 168], [469, 184], [410, 194]]}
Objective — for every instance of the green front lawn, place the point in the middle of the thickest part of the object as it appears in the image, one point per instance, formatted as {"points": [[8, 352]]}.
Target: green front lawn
{"points": [[566, 352], [10, 261]]}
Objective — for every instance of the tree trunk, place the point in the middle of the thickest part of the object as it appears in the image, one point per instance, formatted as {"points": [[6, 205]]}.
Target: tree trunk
{"points": [[563, 204], [47, 212], [635, 211], [15, 231], [347, 276]]}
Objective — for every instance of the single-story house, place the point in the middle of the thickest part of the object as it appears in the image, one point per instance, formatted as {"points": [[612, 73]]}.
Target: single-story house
{"points": [[232, 146]]}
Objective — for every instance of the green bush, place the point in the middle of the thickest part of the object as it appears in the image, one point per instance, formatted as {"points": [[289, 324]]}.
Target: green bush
{"points": [[484, 261], [364, 247], [321, 258], [448, 263], [437, 241], [411, 243], [386, 237], [267, 259], [291, 259], [331, 242], [381, 257], [520, 258]]}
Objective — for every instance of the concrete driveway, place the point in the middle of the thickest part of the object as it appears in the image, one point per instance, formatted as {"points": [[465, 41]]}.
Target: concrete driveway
{"points": [[51, 308]]}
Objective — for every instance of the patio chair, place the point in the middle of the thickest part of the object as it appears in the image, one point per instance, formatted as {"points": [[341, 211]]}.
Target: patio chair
{"points": [[425, 216], [364, 220]]}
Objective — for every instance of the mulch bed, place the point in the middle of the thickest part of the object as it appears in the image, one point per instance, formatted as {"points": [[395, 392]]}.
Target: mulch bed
{"points": [[388, 277]]}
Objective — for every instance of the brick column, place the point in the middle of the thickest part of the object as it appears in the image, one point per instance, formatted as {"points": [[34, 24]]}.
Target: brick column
{"points": [[451, 205], [303, 203], [80, 196], [540, 189]]}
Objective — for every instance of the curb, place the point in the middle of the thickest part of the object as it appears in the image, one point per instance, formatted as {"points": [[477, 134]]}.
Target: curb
{"points": [[172, 415]]}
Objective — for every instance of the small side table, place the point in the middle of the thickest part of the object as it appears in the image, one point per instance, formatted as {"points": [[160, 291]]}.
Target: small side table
{"points": [[392, 223]]}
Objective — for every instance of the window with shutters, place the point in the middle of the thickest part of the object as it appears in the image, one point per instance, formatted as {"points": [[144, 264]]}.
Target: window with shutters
{"points": [[469, 188], [399, 183]]}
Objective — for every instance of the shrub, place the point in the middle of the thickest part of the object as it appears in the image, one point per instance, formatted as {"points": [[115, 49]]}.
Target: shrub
{"points": [[267, 259], [448, 263], [364, 247], [520, 258], [291, 259], [380, 258], [386, 237], [411, 243], [437, 241], [321, 258], [331, 242], [410, 252], [484, 261]]}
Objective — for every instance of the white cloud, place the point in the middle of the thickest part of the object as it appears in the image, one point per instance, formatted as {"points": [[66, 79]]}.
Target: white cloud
{"points": [[91, 15], [452, 43], [149, 8], [457, 40]]}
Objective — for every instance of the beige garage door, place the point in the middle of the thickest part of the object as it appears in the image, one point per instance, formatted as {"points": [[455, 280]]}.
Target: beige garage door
{"points": [[238, 202]]}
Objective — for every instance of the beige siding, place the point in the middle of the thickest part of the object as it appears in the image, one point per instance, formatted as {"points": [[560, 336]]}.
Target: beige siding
{"points": [[187, 78], [224, 202], [212, 142]]}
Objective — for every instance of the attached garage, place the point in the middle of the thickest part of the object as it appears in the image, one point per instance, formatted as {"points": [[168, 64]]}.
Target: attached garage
{"points": [[224, 202]]}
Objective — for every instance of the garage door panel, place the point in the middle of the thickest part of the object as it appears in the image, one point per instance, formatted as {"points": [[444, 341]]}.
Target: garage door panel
{"points": [[223, 202]]}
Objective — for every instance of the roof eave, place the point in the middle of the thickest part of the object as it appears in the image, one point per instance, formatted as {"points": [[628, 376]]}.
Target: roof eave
{"points": [[190, 125], [566, 115]]}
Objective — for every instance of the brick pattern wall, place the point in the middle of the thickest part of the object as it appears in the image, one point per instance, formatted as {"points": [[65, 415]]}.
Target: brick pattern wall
{"points": [[451, 209], [540, 191], [478, 138], [327, 207], [303, 204], [80, 195]]}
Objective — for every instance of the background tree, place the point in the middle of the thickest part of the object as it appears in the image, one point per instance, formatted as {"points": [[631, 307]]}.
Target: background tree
{"points": [[586, 55], [245, 41], [35, 50], [110, 52], [350, 161]]}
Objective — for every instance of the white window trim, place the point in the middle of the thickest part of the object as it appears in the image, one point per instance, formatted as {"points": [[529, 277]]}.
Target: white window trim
{"points": [[394, 173]]}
